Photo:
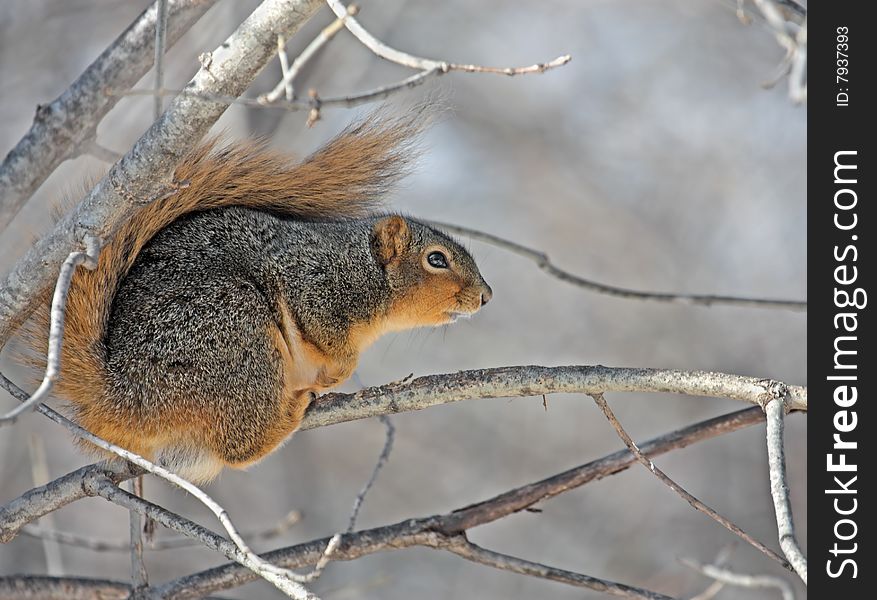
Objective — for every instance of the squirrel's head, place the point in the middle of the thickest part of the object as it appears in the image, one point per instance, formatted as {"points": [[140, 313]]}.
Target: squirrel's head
{"points": [[433, 279]]}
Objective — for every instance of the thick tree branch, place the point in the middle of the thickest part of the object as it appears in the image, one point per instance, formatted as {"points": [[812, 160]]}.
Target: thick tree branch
{"points": [[62, 128], [489, 383], [146, 171], [507, 382], [55, 494]]}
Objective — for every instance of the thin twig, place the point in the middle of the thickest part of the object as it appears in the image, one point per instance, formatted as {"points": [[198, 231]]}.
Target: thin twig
{"points": [[101, 152], [795, 47], [101, 545], [743, 580], [290, 73], [544, 262], [160, 48], [284, 68], [428, 64], [358, 501], [314, 102], [716, 586], [798, 72], [693, 501], [40, 472], [139, 576], [779, 489], [87, 259], [466, 549], [382, 460]]}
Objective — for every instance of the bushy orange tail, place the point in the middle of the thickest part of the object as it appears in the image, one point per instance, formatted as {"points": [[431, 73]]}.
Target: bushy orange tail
{"points": [[346, 178]]}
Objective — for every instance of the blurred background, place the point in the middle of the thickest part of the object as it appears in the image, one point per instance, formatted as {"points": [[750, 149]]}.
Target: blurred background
{"points": [[654, 160]]}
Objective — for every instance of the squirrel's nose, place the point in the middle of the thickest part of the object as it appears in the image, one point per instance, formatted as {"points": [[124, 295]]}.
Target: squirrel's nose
{"points": [[486, 295]]}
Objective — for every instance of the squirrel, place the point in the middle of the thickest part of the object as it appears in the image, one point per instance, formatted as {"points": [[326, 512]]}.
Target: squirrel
{"points": [[217, 314]]}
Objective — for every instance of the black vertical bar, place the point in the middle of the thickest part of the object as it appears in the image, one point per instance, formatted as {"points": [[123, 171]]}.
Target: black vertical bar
{"points": [[841, 441]]}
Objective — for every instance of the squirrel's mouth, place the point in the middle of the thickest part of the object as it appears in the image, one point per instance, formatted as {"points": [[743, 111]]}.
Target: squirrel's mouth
{"points": [[453, 315]]}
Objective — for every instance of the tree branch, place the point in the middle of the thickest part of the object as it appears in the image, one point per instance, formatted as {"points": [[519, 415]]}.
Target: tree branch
{"points": [[486, 383], [472, 552], [93, 479], [743, 580], [285, 87], [430, 531], [544, 262], [427, 64], [682, 492], [62, 127], [507, 382], [779, 489], [160, 48], [36, 587], [103, 545], [88, 259]]}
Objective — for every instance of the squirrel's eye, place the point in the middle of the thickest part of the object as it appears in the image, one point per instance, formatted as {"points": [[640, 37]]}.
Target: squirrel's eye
{"points": [[437, 260]]}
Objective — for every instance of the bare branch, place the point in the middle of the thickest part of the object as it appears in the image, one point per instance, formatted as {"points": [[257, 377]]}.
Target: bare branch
{"points": [[486, 383], [40, 471], [88, 259], [779, 489], [50, 497], [434, 531], [139, 576], [149, 166], [160, 48], [716, 586], [795, 46], [283, 579], [382, 460], [290, 73], [101, 152], [60, 127], [101, 545], [284, 68], [508, 382], [428, 64], [544, 262], [743, 580], [466, 549], [688, 497], [357, 503], [36, 587], [313, 102]]}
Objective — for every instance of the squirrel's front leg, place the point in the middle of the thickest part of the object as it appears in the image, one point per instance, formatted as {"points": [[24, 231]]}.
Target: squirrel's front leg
{"points": [[336, 370]]}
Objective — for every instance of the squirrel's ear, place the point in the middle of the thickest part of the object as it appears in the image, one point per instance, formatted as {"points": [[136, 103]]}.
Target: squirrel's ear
{"points": [[390, 239]]}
